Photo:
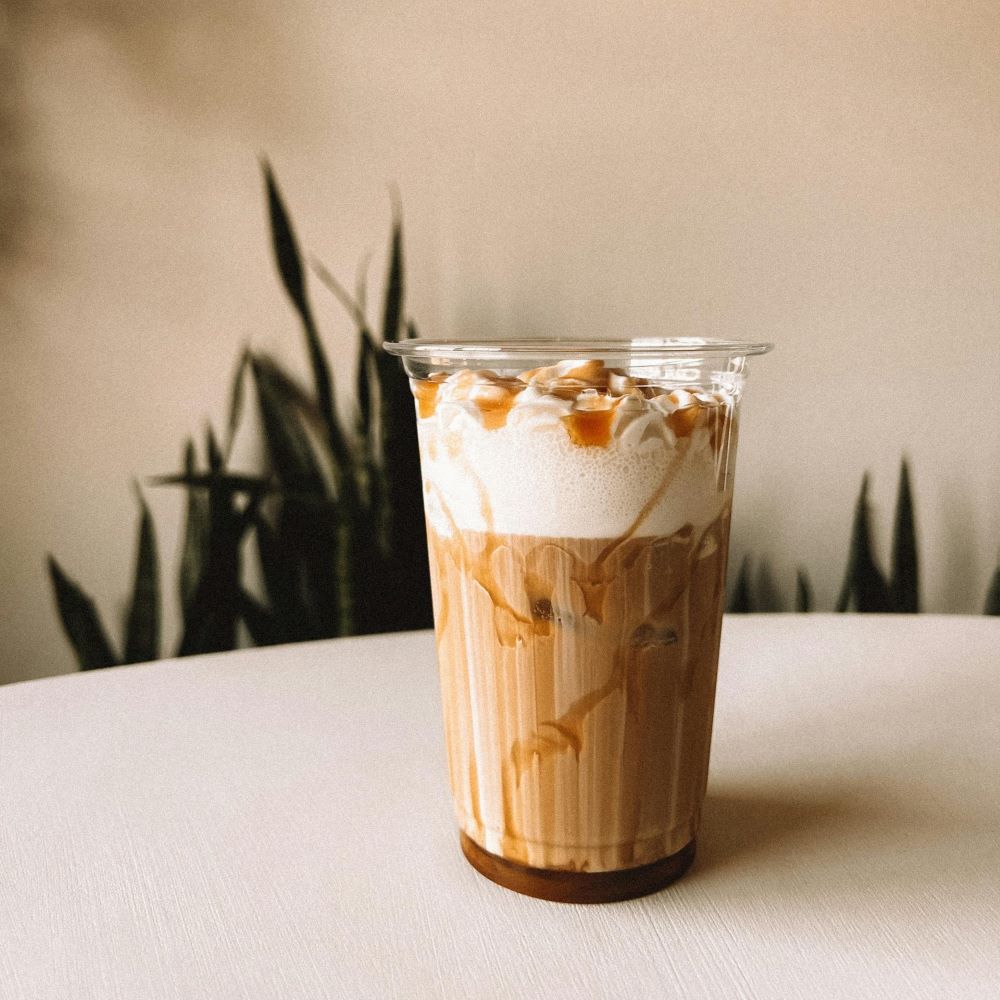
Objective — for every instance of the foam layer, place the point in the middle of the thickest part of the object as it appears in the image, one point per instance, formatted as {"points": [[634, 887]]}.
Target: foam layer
{"points": [[572, 451]]}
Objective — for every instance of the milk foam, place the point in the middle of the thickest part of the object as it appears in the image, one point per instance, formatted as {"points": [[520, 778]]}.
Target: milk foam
{"points": [[528, 476]]}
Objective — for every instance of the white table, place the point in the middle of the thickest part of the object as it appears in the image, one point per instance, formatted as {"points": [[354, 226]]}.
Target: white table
{"points": [[275, 824]]}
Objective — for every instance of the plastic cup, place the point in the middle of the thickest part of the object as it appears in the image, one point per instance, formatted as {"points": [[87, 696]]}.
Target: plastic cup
{"points": [[578, 499]]}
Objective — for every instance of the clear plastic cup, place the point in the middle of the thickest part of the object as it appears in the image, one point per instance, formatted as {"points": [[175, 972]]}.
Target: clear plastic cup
{"points": [[578, 500]]}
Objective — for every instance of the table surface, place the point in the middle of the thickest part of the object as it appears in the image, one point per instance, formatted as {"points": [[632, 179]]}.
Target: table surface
{"points": [[276, 823]]}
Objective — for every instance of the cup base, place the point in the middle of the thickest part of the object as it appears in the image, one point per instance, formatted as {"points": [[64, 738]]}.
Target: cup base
{"points": [[561, 886]]}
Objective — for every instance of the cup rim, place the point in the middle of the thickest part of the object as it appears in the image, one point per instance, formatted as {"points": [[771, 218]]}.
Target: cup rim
{"points": [[637, 348]]}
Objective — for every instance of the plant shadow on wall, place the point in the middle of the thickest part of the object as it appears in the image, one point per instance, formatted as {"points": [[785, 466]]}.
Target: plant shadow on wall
{"points": [[337, 519]]}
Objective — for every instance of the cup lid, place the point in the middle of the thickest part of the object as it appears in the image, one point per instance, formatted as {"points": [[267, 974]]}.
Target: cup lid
{"points": [[649, 349]]}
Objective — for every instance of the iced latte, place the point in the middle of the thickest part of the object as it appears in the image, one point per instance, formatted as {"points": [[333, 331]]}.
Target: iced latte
{"points": [[578, 523]]}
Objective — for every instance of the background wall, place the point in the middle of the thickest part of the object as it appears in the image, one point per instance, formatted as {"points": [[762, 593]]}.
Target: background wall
{"points": [[821, 175]]}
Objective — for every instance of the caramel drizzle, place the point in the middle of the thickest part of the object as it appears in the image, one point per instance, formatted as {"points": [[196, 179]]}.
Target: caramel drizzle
{"points": [[477, 565], [495, 411], [593, 578], [594, 582], [589, 423], [567, 728], [666, 623], [590, 428], [425, 392]]}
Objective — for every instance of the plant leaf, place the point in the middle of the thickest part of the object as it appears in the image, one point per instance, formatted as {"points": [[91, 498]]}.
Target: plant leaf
{"points": [[863, 580], [216, 460], [277, 564], [80, 622], [285, 246], [236, 396], [803, 591], [405, 601], [142, 627], [292, 393], [286, 252], [392, 312], [992, 606], [212, 612], [313, 535], [351, 304], [410, 605], [287, 443], [905, 584], [369, 580], [227, 482], [741, 601], [193, 551], [365, 383], [260, 622]]}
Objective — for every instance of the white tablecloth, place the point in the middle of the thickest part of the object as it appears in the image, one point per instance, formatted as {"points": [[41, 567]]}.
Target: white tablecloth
{"points": [[276, 824]]}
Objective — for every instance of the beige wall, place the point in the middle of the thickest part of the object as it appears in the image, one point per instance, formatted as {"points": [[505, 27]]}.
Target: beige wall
{"points": [[824, 175]]}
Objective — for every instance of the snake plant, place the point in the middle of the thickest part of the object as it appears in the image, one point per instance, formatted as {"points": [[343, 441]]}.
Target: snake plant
{"points": [[866, 587], [336, 518]]}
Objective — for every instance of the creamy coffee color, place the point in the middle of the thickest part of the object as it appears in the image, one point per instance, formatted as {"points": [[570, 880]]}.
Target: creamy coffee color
{"points": [[578, 521]]}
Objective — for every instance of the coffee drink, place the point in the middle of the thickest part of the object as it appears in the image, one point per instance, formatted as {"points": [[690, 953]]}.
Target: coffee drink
{"points": [[578, 524]]}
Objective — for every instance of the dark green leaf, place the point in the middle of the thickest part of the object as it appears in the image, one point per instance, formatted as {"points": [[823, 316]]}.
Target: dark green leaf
{"points": [[741, 601], [288, 444], [289, 581], [278, 568], [195, 545], [766, 597], [81, 622], [844, 598], [313, 535], [408, 605], [351, 305], [142, 628], [363, 535], [216, 460], [366, 388], [292, 393], [225, 481], [392, 313], [285, 246], [213, 610], [212, 613], [803, 591], [286, 251], [260, 623], [864, 584], [236, 396], [992, 606], [361, 490], [339, 535], [905, 585]]}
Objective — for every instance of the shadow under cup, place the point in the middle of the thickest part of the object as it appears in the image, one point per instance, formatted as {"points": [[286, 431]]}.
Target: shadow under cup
{"points": [[578, 500]]}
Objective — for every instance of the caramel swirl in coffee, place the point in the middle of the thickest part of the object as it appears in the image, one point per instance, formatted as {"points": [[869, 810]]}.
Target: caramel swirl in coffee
{"points": [[576, 742], [578, 527]]}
